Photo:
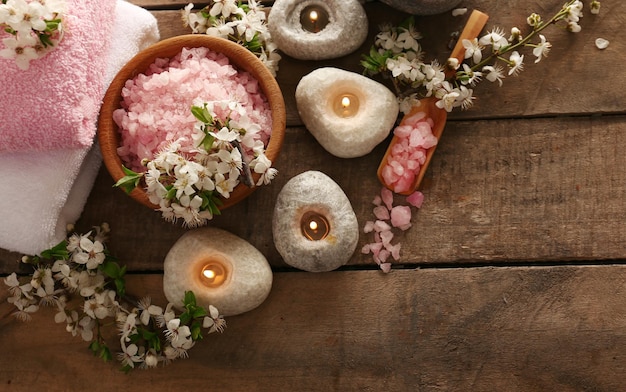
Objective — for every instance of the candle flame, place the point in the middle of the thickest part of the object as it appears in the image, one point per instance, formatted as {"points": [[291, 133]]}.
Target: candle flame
{"points": [[313, 16], [345, 102], [208, 273], [313, 225]]}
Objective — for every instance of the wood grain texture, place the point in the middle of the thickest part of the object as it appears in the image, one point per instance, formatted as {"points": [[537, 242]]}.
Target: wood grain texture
{"points": [[497, 191], [479, 329], [571, 80]]}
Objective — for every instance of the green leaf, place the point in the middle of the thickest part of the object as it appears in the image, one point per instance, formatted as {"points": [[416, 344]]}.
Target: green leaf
{"points": [[130, 181], [105, 353], [58, 252], [199, 312], [201, 113], [190, 299], [110, 269], [196, 331]]}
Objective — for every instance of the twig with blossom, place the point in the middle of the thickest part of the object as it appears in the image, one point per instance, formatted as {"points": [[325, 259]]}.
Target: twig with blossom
{"points": [[243, 23], [84, 282], [397, 54], [33, 28]]}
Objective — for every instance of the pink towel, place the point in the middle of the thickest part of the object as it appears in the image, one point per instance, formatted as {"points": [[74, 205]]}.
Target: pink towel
{"points": [[41, 192], [55, 103]]}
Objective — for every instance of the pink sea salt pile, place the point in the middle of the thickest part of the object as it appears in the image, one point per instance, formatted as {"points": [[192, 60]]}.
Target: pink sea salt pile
{"points": [[389, 216], [414, 137], [156, 105]]}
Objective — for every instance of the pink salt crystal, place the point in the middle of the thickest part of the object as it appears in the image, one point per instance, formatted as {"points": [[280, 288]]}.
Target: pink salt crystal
{"points": [[385, 267], [380, 226], [401, 217], [394, 250], [381, 212], [415, 199], [383, 255], [369, 227], [377, 200], [366, 249], [404, 183], [402, 131], [375, 247], [386, 237], [414, 119], [387, 197]]}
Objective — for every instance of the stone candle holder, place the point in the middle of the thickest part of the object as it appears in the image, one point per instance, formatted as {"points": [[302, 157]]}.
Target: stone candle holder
{"points": [[314, 226], [348, 113], [221, 269], [317, 29]]}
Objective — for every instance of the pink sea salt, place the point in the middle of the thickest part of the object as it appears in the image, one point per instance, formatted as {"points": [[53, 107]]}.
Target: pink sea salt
{"points": [[156, 105], [413, 138], [388, 217]]}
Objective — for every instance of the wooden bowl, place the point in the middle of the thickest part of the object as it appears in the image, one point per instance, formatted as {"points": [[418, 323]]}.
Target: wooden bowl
{"points": [[240, 57]]}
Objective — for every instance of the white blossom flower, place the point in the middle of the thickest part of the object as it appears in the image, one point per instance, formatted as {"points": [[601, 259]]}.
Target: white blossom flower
{"points": [[473, 50], [495, 38], [542, 48], [493, 73], [21, 50], [129, 355], [516, 63], [91, 253], [214, 321]]}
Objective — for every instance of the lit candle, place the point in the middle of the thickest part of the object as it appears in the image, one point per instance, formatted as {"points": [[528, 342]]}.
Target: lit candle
{"points": [[220, 268], [314, 226], [213, 273], [314, 18], [346, 105]]}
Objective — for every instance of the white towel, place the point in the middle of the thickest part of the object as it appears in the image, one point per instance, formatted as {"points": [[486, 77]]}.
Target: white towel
{"points": [[42, 192]]}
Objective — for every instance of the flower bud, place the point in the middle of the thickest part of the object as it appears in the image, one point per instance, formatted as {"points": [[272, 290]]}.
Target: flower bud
{"points": [[534, 20]]}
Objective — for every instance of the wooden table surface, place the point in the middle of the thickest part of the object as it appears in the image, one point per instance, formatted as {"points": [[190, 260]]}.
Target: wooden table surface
{"points": [[512, 277]]}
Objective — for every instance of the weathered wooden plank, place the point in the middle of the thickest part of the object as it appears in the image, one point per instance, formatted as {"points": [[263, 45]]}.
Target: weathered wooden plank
{"points": [[478, 329], [569, 81], [497, 191]]}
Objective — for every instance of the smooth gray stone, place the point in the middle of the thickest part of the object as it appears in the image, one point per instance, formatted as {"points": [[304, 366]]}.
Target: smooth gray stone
{"points": [[422, 7], [314, 191], [346, 137], [345, 32], [248, 281]]}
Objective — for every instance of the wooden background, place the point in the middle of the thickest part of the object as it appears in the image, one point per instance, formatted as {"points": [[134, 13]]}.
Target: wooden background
{"points": [[511, 278]]}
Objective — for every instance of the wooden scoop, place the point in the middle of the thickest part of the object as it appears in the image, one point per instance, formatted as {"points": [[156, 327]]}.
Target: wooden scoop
{"points": [[474, 26]]}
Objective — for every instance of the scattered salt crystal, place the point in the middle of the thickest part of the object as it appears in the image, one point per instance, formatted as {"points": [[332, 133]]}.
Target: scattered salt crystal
{"points": [[377, 200], [459, 11], [366, 249], [369, 227], [386, 237], [381, 213], [416, 199], [401, 217], [385, 267], [602, 43], [387, 197], [380, 226]]}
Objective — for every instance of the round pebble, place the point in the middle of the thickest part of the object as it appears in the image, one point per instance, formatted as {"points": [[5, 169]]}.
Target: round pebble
{"points": [[313, 191], [345, 31], [347, 137], [248, 280]]}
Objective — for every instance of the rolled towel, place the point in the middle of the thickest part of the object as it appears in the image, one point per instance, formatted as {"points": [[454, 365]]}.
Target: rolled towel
{"points": [[55, 102], [41, 192]]}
